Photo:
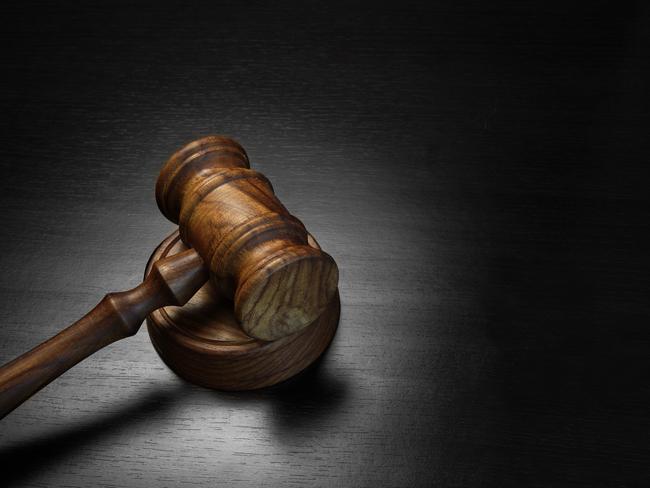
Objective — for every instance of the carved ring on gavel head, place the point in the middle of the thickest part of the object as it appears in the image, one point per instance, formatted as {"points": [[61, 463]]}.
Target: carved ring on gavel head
{"points": [[240, 297], [256, 250]]}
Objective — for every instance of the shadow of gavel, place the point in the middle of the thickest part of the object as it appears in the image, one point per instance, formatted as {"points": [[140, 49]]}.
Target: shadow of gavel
{"points": [[239, 236]]}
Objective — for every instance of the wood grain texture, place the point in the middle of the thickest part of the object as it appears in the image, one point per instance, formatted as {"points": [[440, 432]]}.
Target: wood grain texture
{"points": [[478, 172], [170, 281], [259, 256], [204, 343], [257, 252]]}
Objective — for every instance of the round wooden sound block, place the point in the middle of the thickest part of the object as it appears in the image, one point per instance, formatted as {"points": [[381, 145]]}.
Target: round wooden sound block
{"points": [[203, 343]]}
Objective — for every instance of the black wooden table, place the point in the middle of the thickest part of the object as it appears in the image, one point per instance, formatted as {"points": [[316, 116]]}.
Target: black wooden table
{"points": [[478, 171]]}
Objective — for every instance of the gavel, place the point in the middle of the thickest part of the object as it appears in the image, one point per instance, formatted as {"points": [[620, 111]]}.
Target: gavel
{"points": [[268, 303]]}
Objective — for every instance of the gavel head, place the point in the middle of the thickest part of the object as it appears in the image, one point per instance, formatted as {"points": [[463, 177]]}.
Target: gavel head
{"points": [[257, 252]]}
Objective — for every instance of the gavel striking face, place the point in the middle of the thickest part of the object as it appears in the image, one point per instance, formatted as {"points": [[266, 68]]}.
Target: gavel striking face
{"points": [[279, 285]]}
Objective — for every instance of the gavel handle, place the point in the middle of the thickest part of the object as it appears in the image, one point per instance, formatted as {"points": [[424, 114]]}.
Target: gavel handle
{"points": [[171, 281]]}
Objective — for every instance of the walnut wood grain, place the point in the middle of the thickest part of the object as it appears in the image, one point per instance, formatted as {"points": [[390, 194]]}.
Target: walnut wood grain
{"points": [[172, 281], [203, 342], [257, 253], [256, 250]]}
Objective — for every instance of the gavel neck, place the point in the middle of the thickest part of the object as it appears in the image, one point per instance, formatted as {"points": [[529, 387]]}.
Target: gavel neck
{"points": [[178, 277]]}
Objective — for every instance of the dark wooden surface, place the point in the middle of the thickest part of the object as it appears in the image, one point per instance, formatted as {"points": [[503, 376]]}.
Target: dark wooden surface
{"points": [[477, 170]]}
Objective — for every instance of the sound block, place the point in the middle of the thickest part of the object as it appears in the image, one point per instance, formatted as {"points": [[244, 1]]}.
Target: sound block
{"points": [[203, 343]]}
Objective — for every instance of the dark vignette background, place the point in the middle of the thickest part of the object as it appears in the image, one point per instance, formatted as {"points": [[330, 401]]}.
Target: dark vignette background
{"points": [[478, 170]]}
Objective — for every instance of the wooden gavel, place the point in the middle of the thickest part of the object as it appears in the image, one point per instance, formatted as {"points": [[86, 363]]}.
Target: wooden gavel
{"points": [[238, 236]]}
